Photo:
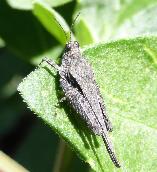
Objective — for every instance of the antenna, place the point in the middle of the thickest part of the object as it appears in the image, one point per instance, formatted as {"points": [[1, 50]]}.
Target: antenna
{"points": [[71, 28]]}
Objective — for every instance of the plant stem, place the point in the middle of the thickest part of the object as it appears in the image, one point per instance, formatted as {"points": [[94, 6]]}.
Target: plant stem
{"points": [[64, 158]]}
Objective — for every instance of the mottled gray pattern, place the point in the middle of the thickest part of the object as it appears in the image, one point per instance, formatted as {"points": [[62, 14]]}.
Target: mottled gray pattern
{"points": [[81, 90]]}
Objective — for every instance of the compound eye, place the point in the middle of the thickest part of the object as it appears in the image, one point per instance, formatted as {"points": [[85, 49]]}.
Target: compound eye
{"points": [[68, 47], [76, 44]]}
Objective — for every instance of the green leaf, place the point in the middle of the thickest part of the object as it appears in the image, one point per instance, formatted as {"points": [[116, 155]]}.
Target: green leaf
{"points": [[83, 33], [143, 23], [126, 71], [105, 18], [28, 4], [52, 21], [130, 8]]}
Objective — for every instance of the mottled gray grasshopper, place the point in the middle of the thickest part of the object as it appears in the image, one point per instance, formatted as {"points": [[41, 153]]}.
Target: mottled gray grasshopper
{"points": [[81, 90]]}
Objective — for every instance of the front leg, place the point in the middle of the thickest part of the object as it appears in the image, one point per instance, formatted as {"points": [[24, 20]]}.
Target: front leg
{"points": [[51, 63]]}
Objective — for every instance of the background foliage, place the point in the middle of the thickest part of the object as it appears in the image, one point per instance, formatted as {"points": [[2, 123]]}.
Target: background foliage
{"points": [[119, 39]]}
